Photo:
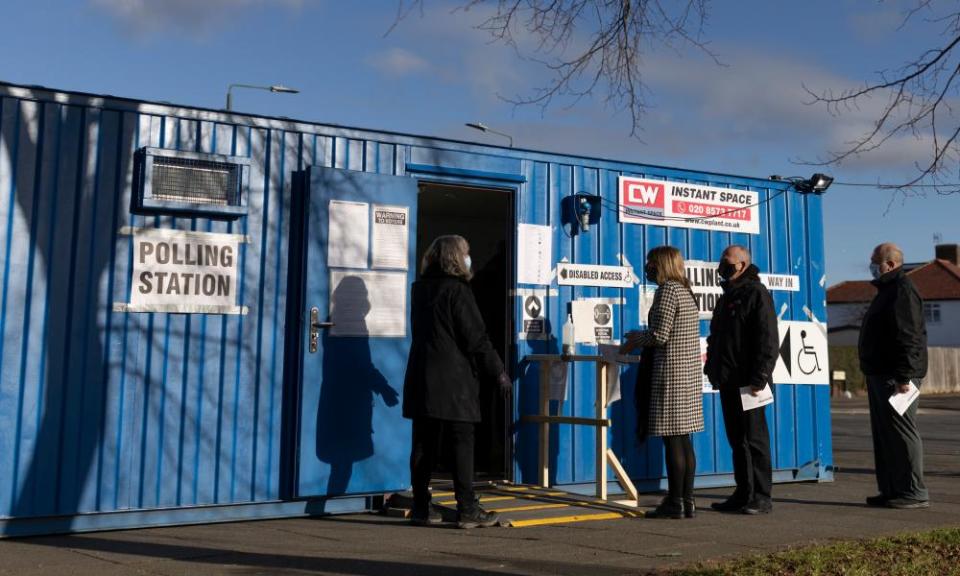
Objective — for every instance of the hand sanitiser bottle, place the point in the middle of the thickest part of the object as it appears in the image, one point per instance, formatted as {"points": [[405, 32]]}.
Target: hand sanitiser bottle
{"points": [[568, 345]]}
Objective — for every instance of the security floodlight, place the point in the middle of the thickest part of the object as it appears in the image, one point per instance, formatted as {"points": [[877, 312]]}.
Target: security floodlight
{"points": [[816, 184]]}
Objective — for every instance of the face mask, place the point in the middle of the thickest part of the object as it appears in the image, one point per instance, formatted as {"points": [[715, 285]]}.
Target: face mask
{"points": [[467, 261], [875, 270], [650, 271], [726, 270]]}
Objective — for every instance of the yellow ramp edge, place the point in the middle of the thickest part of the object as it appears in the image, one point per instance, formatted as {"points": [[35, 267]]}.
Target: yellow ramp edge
{"points": [[529, 507], [567, 519]]}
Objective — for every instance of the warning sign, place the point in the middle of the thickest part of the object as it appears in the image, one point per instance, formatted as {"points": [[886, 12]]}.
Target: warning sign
{"points": [[184, 271], [802, 358], [686, 205], [533, 316], [593, 275], [602, 322]]}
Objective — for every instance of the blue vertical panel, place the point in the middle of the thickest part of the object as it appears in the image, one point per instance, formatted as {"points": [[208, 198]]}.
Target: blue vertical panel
{"points": [[613, 251], [126, 373], [532, 207], [106, 390], [583, 395], [17, 310], [783, 416], [800, 258], [561, 436], [817, 281], [39, 484]]}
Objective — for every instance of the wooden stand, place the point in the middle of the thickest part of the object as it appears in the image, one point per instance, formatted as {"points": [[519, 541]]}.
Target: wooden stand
{"points": [[604, 455]]}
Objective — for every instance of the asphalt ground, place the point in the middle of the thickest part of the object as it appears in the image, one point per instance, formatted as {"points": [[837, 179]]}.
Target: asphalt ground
{"points": [[373, 545]]}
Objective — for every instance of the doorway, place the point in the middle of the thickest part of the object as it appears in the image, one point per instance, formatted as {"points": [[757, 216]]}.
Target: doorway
{"points": [[485, 217]]}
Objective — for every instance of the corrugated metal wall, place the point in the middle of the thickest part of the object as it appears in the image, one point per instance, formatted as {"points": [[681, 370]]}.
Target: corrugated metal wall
{"points": [[105, 411], [790, 242], [110, 411]]}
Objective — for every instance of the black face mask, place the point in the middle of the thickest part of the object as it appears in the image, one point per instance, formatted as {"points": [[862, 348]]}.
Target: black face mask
{"points": [[726, 270], [650, 271]]}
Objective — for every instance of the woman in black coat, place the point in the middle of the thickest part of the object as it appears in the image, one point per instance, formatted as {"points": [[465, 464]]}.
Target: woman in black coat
{"points": [[449, 356]]}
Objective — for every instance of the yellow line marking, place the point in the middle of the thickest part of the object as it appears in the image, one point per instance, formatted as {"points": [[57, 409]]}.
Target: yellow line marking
{"points": [[513, 488], [566, 519], [530, 507], [482, 499], [442, 494]]}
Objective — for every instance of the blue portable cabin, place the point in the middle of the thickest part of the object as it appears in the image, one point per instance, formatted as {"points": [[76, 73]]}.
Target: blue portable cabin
{"points": [[117, 412]]}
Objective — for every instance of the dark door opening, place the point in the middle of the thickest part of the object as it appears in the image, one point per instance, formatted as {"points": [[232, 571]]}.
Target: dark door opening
{"points": [[484, 216]]}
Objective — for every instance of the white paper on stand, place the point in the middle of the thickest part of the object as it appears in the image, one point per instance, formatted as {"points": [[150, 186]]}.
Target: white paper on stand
{"points": [[611, 355], [558, 381], [901, 401], [751, 402]]}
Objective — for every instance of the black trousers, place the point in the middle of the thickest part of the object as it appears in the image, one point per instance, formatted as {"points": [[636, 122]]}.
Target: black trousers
{"points": [[428, 443], [750, 442], [897, 447]]}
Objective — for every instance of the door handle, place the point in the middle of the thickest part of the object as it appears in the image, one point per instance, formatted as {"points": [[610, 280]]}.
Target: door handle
{"points": [[315, 327]]}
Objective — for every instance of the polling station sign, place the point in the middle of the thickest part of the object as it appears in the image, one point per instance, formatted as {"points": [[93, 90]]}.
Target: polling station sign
{"points": [[183, 271], [686, 205]]}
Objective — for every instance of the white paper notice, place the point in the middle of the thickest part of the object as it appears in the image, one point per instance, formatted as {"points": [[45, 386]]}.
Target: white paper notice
{"points": [[368, 303], [611, 355], [391, 233], [348, 234], [751, 402], [558, 381], [535, 254], [901, 401]]}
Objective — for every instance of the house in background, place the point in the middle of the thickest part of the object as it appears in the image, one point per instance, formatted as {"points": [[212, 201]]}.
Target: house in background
{"points": [[938, 282]]}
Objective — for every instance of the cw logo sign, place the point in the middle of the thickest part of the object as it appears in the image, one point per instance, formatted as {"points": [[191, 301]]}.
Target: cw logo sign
{"points": [[644, 193]]}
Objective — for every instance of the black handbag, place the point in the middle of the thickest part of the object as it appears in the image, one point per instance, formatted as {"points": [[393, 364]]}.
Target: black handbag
{"points": [[642, 392]]}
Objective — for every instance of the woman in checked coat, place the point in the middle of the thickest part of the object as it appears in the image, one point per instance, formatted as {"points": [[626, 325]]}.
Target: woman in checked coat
{"points": [[676, 405]]}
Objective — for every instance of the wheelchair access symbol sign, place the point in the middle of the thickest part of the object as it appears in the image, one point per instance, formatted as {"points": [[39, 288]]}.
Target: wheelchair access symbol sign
{"points": [[802, 356]]}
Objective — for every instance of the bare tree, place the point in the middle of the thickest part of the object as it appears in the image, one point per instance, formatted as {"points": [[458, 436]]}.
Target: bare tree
{"points": [[589, 45], [920, 98]]}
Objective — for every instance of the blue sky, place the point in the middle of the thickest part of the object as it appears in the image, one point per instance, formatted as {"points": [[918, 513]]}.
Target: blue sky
{"points": [[433, 73]]}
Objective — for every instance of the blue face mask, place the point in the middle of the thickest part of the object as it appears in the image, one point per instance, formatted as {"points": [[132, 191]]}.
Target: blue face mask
{"points": [[875, 270], [467, 261]]}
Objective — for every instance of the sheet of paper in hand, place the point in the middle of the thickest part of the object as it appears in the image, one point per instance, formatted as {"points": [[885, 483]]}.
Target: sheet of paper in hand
{"points": [[751, 402], [902, 400]]}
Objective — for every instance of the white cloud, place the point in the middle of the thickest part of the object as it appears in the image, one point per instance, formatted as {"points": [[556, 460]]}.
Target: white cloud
{"points": [[397, 62], [197, 17]]}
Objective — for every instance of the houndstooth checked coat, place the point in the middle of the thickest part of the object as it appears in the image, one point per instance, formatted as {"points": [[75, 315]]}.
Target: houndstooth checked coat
{"points": [[676, 403]]}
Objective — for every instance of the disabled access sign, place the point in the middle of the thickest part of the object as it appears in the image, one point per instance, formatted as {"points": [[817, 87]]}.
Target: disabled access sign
{"points": [[802, 356]]}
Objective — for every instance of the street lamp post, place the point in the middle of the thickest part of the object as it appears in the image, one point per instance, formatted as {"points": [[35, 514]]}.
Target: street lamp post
{"points": [[484, 128], [276, 88]]}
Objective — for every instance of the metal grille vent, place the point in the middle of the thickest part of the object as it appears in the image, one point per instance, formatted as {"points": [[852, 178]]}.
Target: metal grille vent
{"points": [[195, 181]]}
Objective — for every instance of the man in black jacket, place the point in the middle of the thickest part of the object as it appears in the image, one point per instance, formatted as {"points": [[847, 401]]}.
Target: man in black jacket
{"points": [[742, 351], [893, 352]]}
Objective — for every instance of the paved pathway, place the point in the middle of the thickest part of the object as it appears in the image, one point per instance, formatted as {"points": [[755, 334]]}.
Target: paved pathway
{"points": [[373, 545]]}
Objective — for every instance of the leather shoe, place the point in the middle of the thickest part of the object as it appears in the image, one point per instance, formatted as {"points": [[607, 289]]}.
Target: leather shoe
{"points": [[728, 505], [668, 508], [757, 506], [689, 508], [879, 501], [907, 503]]}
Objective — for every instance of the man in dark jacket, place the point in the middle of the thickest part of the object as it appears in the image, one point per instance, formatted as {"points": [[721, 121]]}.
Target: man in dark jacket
{"points": [[449, 354], [893, 353], [742, 351]]}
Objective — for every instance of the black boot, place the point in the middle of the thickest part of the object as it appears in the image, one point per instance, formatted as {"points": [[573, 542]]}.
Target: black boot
{"points": [[668, 508], [689, 508]]}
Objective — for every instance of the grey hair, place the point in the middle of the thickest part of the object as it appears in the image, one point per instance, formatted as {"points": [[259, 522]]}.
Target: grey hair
{"points": [[741, 252], [447, 253], [889, 252]]}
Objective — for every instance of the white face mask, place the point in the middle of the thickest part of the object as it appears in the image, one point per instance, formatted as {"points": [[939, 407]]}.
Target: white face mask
{"points": [[467, 261], [875, 270]]}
